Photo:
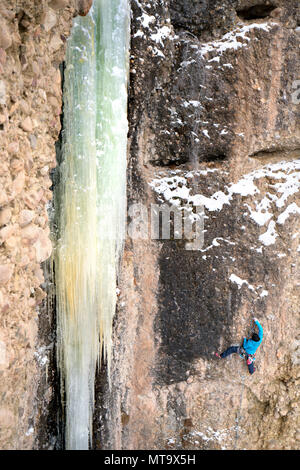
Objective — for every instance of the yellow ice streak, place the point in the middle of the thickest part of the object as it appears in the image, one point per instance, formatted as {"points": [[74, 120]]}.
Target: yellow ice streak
{"points": [[90, 201]]}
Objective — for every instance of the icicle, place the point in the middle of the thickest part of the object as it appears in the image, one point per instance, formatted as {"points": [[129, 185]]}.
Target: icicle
{"points": [[91, 203]]}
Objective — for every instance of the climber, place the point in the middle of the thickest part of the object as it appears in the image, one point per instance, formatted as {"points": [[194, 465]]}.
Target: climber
{"points": [[248, 348]]}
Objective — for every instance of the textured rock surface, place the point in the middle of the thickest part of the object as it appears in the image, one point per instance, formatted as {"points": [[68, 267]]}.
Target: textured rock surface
{"points": [[211, 121], [32, 46]]}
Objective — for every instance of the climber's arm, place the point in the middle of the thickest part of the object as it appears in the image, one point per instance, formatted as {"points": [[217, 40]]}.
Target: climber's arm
{"points": [[260, 329]]}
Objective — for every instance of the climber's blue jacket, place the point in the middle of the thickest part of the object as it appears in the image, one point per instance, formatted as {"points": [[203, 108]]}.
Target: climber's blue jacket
{"points": [[251, 346]]}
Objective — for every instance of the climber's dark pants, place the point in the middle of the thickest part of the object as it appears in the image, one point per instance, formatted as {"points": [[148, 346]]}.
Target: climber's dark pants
{"points": [[235, 349]]}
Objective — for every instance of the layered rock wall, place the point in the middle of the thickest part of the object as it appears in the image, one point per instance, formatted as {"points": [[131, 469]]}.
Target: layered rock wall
{"points": [[32, 46], [213, 122]]}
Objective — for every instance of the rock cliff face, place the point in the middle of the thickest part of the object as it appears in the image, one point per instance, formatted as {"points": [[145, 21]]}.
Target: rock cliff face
{"points": [[213, 122], [32, 46]]}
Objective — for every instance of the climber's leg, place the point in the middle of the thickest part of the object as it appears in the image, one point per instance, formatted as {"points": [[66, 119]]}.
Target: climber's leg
{"points": [[230, 350], [250, 365]]}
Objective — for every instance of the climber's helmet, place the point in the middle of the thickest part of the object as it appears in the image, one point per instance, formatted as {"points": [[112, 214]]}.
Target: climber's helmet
{"points": [[255, 337]]}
